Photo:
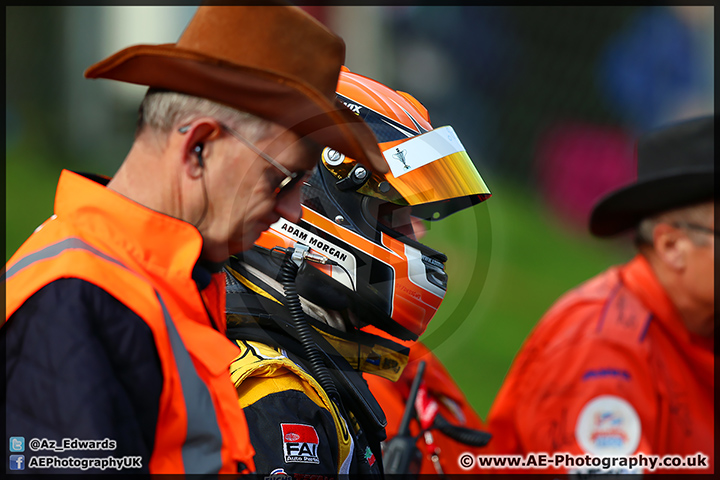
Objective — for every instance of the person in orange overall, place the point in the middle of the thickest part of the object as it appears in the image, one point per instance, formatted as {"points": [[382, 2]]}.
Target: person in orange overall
{"points": [[114, 339], [439, 402], [622, 367]]}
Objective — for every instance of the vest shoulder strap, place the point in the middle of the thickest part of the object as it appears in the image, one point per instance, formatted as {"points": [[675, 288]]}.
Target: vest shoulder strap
{"points": [[73, 257]]}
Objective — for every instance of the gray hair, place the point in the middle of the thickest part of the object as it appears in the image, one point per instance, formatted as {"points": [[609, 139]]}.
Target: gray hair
{"points": [[697, 213], [163, 110]]}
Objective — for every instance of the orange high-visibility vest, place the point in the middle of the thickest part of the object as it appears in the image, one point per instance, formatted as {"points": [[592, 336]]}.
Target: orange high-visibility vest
{"points": [[145, 260]]}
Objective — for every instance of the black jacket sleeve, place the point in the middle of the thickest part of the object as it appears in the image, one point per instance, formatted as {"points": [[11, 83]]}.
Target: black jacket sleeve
{"points": [[80, 364], [290, 431]]}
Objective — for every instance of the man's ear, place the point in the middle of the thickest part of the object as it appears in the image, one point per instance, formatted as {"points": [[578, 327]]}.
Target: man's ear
{"points": [[194, 141], [671, 246]]}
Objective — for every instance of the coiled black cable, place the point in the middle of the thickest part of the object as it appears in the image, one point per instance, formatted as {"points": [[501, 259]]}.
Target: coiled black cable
{"points": [[288, 274], [467, 436]]}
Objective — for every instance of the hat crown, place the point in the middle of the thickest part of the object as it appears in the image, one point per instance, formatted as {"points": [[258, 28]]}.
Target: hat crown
{"points": [[685, 147], [272, 60], [675, 166], [271, 38]]}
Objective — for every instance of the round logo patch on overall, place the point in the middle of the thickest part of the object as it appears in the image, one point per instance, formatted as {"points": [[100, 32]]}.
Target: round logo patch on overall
{"points": [[608, 425]]}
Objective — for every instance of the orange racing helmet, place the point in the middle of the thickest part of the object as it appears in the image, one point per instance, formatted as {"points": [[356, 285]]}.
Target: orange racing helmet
{"points": [[361, 221]]}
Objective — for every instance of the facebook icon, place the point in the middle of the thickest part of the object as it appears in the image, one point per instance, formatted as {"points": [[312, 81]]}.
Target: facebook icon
{"points": [[17, 462]]}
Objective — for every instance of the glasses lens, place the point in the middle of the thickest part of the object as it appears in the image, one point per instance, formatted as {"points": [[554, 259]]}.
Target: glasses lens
{"points": [[696, 227], [290, 182]]}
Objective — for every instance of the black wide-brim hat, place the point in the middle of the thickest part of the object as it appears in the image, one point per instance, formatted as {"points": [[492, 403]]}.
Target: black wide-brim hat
{"points": [[675, 168], [270, 59]]}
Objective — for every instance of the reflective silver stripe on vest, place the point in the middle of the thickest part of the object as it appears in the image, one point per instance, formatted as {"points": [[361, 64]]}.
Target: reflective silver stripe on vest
{"points": [[201, 451], [55, 250]]}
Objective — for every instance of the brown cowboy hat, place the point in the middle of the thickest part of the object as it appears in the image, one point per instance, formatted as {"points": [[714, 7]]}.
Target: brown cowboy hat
{"points": [[274, 61], [676, 166]]}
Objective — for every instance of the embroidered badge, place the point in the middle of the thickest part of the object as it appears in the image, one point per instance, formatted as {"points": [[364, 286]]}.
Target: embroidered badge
{"points": [[279, 474], [300, 443], [369, 456], [608, 425]]}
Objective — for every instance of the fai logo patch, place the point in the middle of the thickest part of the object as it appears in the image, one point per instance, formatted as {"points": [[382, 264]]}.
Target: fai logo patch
{"points": [[608, 425], [300, 443]]}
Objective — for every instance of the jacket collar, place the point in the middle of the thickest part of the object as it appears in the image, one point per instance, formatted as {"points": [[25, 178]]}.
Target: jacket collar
{"points": [[165, 245], [641, 280]]}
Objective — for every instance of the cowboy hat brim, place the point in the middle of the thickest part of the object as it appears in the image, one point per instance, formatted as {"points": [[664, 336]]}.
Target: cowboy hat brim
{"points": [[626, 207], [279, 98]]}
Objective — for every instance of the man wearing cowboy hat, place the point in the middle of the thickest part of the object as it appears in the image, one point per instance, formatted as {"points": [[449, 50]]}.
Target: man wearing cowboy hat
{"points": [[623, 365], [115, 320]]}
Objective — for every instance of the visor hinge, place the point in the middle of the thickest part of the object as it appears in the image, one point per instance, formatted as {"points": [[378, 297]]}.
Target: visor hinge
{"points": [[356, 179]]}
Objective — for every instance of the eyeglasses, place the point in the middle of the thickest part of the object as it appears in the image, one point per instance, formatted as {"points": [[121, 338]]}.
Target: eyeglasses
{"points": [[695, 226], [286, 184]]}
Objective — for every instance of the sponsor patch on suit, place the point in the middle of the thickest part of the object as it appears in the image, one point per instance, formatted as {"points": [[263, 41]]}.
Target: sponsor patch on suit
{"points": [[300, 443]]}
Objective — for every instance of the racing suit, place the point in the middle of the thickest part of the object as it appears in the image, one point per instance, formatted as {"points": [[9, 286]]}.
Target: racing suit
{"points": [[299, 427], [610, 370]]}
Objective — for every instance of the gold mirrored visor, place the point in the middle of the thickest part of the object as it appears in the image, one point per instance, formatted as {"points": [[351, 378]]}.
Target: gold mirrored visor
{"points": [[431, 172]]}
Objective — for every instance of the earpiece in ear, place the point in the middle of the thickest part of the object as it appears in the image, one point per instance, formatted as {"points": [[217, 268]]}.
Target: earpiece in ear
{"points": [[198, 152]]}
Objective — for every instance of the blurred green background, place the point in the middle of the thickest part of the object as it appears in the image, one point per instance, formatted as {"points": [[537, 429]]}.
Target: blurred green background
{"points": [[546, 100], [501, 282]]}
